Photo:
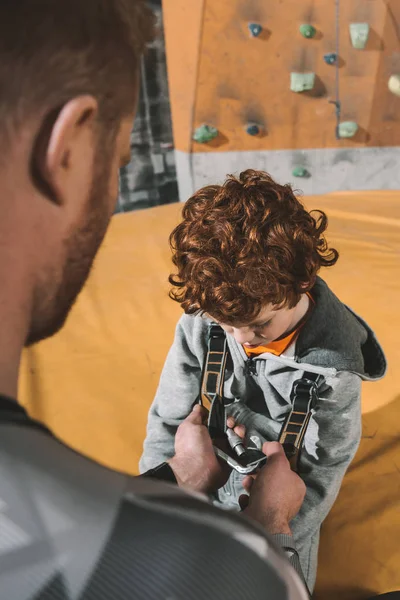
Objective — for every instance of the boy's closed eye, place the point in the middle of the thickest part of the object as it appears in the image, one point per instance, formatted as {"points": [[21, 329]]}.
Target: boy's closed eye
{"points": [[263, 325]]}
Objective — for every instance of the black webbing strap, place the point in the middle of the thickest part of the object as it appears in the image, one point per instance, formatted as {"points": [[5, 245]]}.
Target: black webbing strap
{"points": [[12, 413], [212, 383], [304, 397]]}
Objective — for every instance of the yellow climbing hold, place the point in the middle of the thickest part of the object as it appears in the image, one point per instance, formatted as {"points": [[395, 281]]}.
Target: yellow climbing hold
{"points": [[394, 84]]}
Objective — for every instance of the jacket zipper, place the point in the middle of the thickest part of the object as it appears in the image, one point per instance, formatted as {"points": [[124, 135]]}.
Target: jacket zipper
{"points": [[250, 367]]}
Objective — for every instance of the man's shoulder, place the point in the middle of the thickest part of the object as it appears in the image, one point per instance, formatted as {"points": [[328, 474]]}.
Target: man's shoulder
{"points": [[112, 532]]}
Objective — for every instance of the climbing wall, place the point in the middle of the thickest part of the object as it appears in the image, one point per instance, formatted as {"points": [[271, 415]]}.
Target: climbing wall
{"points": [[237, 67]]}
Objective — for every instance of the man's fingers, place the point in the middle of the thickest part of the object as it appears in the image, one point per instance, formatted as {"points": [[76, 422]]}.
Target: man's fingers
{"points": [[230, 422], [240, 430], [243, 501], [248, 482], [271, 449], [197, 416], [204, 415]]}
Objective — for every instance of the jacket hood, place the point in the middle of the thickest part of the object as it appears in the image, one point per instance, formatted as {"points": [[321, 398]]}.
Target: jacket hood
{"points": [[336, 337]]}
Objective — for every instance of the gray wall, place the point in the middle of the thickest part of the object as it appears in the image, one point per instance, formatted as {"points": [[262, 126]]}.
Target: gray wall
{"points": [[330, 169]]}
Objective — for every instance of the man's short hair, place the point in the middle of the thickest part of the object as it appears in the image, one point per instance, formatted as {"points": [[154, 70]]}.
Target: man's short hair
{"points": [[246, 244], [54, 50]]}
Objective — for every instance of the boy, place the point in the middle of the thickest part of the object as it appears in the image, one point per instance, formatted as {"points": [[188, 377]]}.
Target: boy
{"points": [[247, 255]]}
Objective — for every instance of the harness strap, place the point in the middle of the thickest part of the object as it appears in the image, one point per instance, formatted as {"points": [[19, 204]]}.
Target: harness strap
{"points": [[304, 397], [212, 383]]}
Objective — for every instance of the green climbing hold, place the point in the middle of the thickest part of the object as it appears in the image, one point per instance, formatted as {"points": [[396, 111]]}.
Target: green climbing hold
{"points": [[205, 133], [300, 172], [347, 129], [359, 33], [302, 82], [307, 30]]}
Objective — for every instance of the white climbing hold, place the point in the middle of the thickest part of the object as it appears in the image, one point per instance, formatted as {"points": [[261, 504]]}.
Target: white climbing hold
{"points": [[359, 33], [302, 82], [394, 84]]}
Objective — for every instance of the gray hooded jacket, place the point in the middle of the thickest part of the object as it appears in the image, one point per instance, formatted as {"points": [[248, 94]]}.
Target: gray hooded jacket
{"points": [[335, 343]]}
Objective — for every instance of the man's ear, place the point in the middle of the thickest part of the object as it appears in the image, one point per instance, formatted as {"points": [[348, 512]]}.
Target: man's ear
{"points": [[63, 139]]}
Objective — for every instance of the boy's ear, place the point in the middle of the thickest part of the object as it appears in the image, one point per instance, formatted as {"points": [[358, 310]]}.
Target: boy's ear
{"points": [[307, 284]]}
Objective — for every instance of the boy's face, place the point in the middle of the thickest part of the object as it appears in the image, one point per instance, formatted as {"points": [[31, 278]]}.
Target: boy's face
{"points": [[271, 324]]}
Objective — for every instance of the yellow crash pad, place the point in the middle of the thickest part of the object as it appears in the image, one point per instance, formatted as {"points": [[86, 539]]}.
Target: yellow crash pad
{"points": [[93, 382]]}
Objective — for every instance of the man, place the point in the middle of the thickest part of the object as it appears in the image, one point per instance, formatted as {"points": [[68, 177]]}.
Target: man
{"points": [[71, 529]]}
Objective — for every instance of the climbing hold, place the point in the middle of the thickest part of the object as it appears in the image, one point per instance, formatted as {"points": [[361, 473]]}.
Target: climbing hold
{"points": [[302, 82], [300, 172], [347, 129], [359, 33], [330, 58], [394, 84], [255, 29], [307, 30], [252, 129], [205, 133]]}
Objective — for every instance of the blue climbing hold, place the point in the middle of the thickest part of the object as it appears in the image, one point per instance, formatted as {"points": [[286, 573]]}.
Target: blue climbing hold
{"points": [[255, 29], [330, 58], [252, 129]]}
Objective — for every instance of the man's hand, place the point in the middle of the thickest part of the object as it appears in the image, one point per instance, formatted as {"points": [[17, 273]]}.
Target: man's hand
{"points": [[195, 464], [276, 493]]}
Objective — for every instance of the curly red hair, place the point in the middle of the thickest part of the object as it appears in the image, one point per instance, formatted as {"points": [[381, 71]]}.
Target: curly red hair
{"points": [[245, 244]]}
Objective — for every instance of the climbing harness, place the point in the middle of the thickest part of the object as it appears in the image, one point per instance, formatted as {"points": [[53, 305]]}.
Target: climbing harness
{"points": [[244, 460], [303, 399]]}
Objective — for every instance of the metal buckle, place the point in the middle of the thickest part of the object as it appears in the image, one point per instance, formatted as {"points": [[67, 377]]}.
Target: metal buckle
{"points": [[243, 469]]}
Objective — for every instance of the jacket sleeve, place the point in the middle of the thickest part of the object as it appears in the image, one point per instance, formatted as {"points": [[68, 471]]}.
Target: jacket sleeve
{"points": [[331, 441], [177, 391], [287, 545]]}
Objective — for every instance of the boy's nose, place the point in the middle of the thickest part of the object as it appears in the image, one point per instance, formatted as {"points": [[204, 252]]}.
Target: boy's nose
{"points": [[243, 336]]}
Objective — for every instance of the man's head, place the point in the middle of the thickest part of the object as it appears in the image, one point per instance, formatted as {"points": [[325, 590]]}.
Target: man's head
{"points": [[69, 74], [246, 252]]}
